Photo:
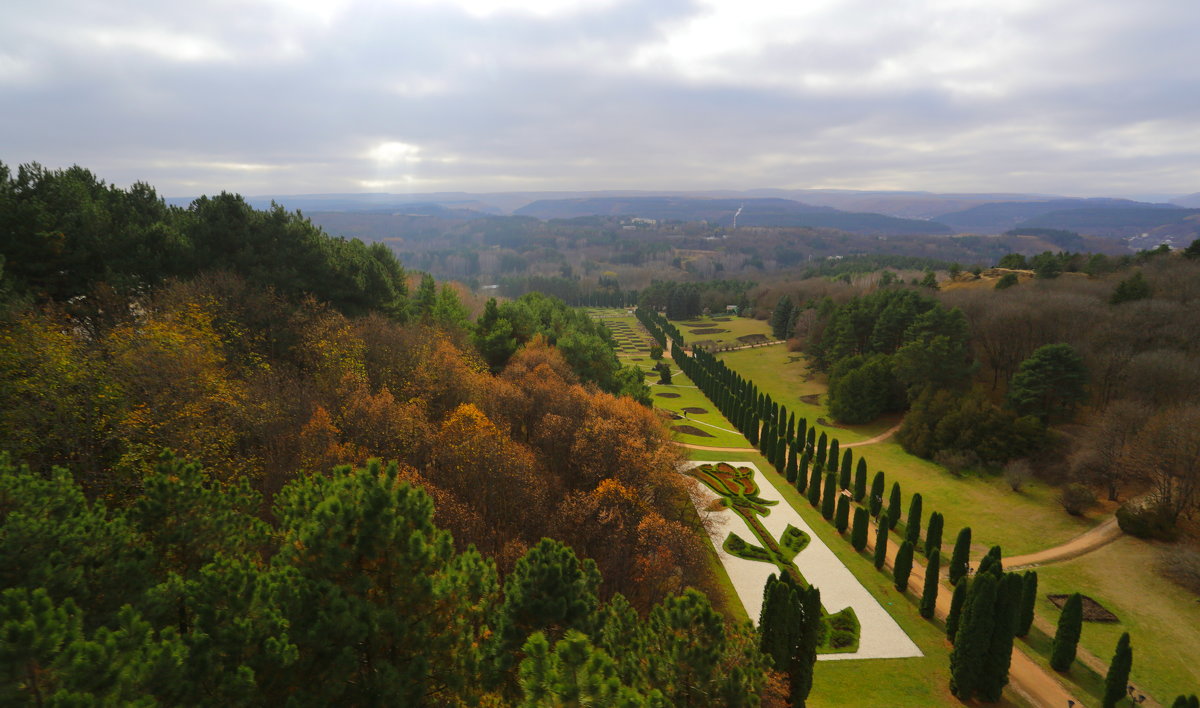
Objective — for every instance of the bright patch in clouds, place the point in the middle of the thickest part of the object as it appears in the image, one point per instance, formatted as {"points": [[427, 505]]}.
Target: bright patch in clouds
{"points": [[391, 153]]}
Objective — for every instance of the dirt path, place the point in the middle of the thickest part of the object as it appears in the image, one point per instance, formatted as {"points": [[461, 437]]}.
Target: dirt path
{"points": [[708, 448], [1101, 535], [1035, 684], [878, 438]]}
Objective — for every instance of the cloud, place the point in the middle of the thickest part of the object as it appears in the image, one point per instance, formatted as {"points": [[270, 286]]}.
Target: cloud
{"points": [[1062, 96]]}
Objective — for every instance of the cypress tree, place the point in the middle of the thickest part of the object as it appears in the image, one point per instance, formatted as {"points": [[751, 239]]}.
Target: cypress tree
{"points": [[762, 611], [814, 488], [800, 670], [802, 473], [1066, 636], [858, 532], [994, 676], [930, 591], [991, 562], [774, 627], [956, 605], [912, 529], [881, 534], [893, 512], [829, 496], [833, 455], [821, 450], [903, 567], [842, 518], [1029, 583], [1118, 672], [962, 556], [876, 500], [791, 428], [810, 442], [844, 477], [973, 637], [933, 534], [860, 480], [791, 465], [815, 479]]}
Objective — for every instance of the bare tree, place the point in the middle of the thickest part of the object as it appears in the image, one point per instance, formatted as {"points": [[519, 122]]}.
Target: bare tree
{"points": [[1166, 454], [1098, 459]]}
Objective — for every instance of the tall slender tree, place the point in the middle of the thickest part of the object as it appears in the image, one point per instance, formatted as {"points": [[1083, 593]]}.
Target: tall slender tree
{"points": [[893, 511], [829, 496], [973, 636], [860, 480], [842, 516], [903, 566], [876, 500], [881, 534], [933, 534], [930, 591], [956, 604], [1066, 635], [1029, 584], [912, 528], [844, 477], [1118, 672], [858, 531], [962, 555]]}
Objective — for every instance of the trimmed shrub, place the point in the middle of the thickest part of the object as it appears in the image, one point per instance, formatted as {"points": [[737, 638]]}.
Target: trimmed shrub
{"points": [[1066, 636], [903, 566], [829, 496], [881, 534], [876, 500], [962, 555], [912, 528], [1146, 522], [930, 591], [842, 517], [893, 512], [1118, 673], [858, 531]]}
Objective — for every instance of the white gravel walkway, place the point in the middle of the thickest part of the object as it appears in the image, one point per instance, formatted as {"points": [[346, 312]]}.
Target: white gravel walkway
{"points": [[881, 637]]}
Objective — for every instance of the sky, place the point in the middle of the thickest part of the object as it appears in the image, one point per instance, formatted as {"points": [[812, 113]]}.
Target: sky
{"points": [[1074, 97]]}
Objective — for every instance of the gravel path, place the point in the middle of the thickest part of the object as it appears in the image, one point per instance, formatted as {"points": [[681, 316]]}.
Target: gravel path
{"points": [[1101, 535]]}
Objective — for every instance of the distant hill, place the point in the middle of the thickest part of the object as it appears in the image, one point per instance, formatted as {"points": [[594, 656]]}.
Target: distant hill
{"points": [[999, 217], [1190, 201], [1114, 222], [722, 211]]}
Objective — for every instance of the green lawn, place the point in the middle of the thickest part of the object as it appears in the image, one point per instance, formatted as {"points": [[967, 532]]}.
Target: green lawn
{"points": [[734, 327], [785, 376], [1018, 522], [1162, 619], [686, 395]]}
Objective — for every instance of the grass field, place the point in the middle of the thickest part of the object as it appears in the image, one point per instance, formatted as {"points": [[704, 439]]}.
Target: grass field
{"points": [[686, 395], [785, 376], [1162, 619], [734, 327]]}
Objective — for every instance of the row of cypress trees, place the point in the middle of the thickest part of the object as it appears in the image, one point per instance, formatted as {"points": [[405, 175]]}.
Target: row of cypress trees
{"points": [[790, 630]]}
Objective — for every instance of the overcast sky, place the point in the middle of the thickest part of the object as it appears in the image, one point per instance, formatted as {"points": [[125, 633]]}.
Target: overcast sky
{"points": [[1081, 97]]}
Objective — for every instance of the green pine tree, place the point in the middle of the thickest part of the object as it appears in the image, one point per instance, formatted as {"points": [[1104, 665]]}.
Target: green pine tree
{"points": [[956, 604], [973, 637], [994, 675]]}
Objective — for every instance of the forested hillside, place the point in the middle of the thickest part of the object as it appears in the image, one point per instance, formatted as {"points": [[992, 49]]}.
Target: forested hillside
{"points": [[195, 402]]}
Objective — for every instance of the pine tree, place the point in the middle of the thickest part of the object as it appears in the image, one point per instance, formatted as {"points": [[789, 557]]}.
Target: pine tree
{"points": [[842, 517], [912, 528], [1066, 636], [973, 637], [881, 534], [962, 555], [930, 591], [893, 512], [1029, 584], [858, 532], [956, 605], [876, 500], [1118, 672], [860, 481], [933, 534], [903, 567], [829, 496]]}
